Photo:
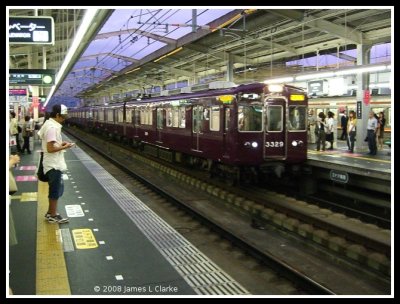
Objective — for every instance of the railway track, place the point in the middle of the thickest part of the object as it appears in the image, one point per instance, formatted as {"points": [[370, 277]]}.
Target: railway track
{"points": [[302, 282]]}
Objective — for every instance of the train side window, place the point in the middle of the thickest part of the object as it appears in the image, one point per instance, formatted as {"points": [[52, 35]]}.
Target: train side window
{"points": [[274, 118], [175, 117], [150, 116], [214, 118], [120, 115], [147, 116], [160, 118], [128, 115], [182, 117], [136, 116], [197, 118], [101, 114], [142, 116], [169, 117], [110, 114], [297, 118]]}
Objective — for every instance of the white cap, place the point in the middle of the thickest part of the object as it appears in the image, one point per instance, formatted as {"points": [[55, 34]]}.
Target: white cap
{"points": [[64, 110]]}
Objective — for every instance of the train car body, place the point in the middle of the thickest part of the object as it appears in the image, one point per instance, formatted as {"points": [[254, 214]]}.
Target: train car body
{"points": [[247, 125]]}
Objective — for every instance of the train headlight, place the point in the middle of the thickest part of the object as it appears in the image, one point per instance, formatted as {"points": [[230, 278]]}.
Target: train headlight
{"points": [[296, 143], [253, 144], [275, 88]]}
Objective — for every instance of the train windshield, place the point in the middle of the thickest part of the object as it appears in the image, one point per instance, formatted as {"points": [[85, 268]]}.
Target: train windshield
{"points": [[250, 118], [297, 118], [274, 118]]}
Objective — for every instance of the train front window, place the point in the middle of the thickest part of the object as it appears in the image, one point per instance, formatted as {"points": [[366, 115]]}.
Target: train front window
{"points": [[297, 118], [250, 118], [274, 118]]}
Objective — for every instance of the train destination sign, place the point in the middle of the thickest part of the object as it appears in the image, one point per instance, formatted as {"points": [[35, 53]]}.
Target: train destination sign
{"points": [[38, 77], [31, 30], [339, 176]]}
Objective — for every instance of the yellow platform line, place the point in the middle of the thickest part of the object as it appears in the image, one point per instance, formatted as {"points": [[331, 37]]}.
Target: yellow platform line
{"points": [[51, 270], [350, 156]]}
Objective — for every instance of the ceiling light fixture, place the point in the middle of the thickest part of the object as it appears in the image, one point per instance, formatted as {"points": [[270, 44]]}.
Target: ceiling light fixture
{"points": [[340, 72], [86, 22], [132, 70], [169, 54]]}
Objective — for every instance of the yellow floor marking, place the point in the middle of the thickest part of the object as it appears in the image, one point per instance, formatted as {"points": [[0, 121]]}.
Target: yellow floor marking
{"points": [[374, 159], [29, 197], [84, 239], [355, 157], [51, 271], [15, 197]]}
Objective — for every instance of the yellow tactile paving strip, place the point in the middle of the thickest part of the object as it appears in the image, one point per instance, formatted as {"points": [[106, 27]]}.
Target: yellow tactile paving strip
{"points": [[29, 197], [51, 271]]}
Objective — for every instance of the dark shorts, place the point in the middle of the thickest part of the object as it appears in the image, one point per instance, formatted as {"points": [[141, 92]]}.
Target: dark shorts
{"points": [[56, 184]]}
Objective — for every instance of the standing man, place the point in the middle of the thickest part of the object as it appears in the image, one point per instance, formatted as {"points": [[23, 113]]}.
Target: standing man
{"points": [[343, 122], [311, 122], [53, 159], [372, 128]]}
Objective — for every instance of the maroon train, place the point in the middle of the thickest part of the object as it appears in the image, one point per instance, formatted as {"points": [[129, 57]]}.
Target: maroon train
{"points": [[248, 126]]}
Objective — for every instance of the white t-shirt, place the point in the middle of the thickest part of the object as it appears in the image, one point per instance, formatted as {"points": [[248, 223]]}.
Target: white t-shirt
{"points": [[329, 126], [51, 131]]}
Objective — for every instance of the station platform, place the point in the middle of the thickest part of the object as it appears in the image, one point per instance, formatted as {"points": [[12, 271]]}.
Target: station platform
{"points": [[359, 163], [113, 244]]}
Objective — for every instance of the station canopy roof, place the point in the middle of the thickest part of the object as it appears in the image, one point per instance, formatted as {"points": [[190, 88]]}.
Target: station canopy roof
{"points": [[130, 49]]}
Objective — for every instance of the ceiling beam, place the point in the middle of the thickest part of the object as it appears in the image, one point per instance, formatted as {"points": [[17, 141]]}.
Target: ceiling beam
{"points": [[94, 68], [345, 32], [217, 54], [134, 31], [170, 69], [378, 36], [344, 56]]}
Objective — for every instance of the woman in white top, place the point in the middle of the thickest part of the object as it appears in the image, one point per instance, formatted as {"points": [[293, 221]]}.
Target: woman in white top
{"points": [[351, 131], [329, 129]]}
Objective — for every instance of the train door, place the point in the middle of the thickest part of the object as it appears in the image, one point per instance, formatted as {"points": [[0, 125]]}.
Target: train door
{"points": [[136, 113], [275, 133], [197, 122], [228, 138], [160, 124]]}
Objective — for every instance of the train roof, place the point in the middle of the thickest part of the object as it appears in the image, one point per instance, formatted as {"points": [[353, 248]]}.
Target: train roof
{"points": [[199, 94], [257, 86]]}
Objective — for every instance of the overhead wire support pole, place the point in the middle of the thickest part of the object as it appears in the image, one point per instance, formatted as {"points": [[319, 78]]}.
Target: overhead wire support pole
{"points": [[194, 20]]}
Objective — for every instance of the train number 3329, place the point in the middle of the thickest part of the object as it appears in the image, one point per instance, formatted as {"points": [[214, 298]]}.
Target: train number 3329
{"points": [[274, 144]]}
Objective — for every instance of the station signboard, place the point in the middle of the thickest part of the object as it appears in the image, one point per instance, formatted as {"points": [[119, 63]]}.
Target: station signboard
{"points": [[367, 97], [359, 111], [17, 92], [31, 30], [339, 176], [39, 77]]}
